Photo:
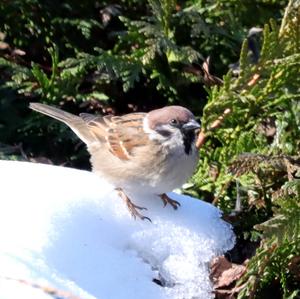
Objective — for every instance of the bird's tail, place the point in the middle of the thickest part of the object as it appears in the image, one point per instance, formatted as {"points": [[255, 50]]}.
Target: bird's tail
{"points": [[56, 113], [76, 123]]}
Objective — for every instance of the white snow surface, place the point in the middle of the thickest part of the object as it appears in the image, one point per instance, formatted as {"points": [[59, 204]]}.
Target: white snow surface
{"points": [[68, 229]]}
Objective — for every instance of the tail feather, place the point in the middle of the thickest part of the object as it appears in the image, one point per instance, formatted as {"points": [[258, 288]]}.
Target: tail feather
{"points": [[76, 123], [56, 113]]}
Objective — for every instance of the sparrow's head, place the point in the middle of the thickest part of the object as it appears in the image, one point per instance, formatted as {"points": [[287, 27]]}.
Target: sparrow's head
{"points": [[175, 124]]}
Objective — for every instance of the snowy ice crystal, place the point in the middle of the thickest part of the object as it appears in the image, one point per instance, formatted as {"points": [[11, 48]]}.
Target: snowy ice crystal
{"points": [[68, 229]]}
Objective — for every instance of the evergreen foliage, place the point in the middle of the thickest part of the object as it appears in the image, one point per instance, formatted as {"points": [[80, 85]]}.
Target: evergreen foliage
{"points": [[254, 155], [139, 55], [104, 58]]}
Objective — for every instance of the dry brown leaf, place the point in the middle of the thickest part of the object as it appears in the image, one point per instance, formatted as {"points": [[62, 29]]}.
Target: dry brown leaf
{"points": [[224, 274], [294, 267], [3, 45], [18, 52], [42, 160]]}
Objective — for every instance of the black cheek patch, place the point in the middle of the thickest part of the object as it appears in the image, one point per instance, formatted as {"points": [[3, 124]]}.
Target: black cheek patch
{"points": [[163, 132]]}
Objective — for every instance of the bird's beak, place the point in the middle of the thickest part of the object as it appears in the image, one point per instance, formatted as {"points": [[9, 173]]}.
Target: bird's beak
{"points": [[191, 125]]}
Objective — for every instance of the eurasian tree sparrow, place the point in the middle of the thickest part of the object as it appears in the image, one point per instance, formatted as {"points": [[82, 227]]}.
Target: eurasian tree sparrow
{"points": [[151, 153]]}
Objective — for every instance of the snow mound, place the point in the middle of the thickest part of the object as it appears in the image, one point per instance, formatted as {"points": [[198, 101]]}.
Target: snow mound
{"points": [[68, 229]]}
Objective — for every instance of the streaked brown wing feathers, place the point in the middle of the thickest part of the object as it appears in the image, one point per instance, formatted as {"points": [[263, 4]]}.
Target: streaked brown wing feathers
{"points": [[122, 134]]}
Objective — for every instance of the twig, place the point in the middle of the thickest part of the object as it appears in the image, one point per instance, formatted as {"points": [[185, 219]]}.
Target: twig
{"points": [[202, 135], [55, 293]]}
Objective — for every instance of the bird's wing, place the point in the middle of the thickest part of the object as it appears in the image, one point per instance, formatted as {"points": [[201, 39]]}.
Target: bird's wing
{"points": [[121, 134]]}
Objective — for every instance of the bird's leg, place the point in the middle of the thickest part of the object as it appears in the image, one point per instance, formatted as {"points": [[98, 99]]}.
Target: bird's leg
{"points": [[167, 200], [133, 209]]}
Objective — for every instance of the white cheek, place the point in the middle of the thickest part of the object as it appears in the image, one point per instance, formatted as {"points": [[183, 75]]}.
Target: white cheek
{"points": [[152, 133], [178, 168], [174, 141]]}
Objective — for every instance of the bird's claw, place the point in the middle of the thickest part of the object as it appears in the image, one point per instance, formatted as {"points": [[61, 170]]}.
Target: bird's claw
{"points": [[167, 200], [133, 208]]}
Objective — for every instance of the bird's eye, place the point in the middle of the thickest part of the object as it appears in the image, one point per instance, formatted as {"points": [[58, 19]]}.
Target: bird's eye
{"points": [[173, 121]]}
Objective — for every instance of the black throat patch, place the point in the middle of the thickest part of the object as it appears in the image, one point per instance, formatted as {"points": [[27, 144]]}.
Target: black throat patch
{"points": [[188, 139]]}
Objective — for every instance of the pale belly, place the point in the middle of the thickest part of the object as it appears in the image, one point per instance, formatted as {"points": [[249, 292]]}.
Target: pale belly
{"points": [[158, 181], [157, 174]]}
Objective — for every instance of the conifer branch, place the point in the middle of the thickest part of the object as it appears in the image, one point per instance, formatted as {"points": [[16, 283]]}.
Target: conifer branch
{"points": [[217, 123]]}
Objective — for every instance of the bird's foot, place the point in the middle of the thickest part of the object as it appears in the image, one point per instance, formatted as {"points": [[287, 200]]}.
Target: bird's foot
{"points": [[133, 208], [167, 200]]}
